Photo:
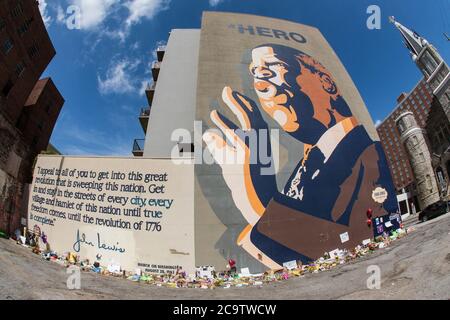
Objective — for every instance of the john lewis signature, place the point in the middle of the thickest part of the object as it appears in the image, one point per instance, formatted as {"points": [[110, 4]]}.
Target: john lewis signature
{"points": [[82, 240]]}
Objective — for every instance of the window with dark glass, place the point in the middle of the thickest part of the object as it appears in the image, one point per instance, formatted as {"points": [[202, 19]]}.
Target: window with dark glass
{"points": [[18, 10], [7, 45], [25, 26], [20, 68], [429, 63], [33, 51]]}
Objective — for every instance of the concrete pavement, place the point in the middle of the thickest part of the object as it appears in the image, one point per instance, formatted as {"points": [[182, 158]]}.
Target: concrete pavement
{"points": [[415, 267]]}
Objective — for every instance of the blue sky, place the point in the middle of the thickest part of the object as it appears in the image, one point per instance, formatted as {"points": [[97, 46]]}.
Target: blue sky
{"points": [[101, 68]]}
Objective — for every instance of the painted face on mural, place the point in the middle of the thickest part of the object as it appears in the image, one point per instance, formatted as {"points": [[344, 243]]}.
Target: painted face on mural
{"points": [[296, 91]]}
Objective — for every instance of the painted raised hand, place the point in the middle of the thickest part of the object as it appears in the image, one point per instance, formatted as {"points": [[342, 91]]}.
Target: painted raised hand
{"points": [[236, 150]]}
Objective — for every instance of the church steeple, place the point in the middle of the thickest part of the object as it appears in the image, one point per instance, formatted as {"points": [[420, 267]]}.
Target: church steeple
{"points": [[427, 59], [413, 41]]}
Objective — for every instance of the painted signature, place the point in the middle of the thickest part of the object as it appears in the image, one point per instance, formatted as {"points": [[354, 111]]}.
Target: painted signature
{"points": [[82, 240]]}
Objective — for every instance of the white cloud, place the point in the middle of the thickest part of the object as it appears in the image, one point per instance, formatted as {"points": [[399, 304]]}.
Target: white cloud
{"points": [[377, 123], [147, 9], [119, 78], [128, 12], [93, 12], [44, 12], [143, 87], [214, 3]]}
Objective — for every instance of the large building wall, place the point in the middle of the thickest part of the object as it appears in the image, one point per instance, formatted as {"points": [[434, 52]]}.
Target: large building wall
{"points": [[262, 221], [25, 127], [31, 52], [173, 106], [14, 169], [40, 114]]}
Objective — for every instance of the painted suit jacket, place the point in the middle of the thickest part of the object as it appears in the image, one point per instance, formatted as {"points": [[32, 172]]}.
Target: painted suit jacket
{"points": [[335, 196]]}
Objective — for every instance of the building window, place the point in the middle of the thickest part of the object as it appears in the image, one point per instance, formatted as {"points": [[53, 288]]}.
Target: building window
{"points": [[20, 68], [18, 10], [401, 126], [33, 51], [439, 77], [24, 27], [7, 46], [421, 157], [429, 62], [440, 176]]}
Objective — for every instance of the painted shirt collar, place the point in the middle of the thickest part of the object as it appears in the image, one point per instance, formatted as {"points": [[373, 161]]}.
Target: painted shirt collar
{"points": [[334, 135]]}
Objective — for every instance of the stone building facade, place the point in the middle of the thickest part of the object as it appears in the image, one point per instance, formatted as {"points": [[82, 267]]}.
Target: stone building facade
{"points": [[413, 138]]}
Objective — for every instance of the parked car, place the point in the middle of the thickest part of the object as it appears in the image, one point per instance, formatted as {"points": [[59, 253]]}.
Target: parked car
{"points": [[434, 210]]}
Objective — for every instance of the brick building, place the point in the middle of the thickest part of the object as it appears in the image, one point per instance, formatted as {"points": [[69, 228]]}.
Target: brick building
{"points": [[29, 107], [40, 113], [418, 101]]}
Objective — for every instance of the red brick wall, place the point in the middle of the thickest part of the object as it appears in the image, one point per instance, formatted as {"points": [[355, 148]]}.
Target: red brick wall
{"points": [[39, 116], [19, 54], [15, 166], [25, 127]]}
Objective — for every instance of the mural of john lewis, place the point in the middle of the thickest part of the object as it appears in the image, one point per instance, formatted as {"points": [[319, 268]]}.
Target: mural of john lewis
{"points": [[327, 196]]}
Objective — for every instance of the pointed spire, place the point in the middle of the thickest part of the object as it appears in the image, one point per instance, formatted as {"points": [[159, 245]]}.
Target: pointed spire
{"points": [[414, 42]]}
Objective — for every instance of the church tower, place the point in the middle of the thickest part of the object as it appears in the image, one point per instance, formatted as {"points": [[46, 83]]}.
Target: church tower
{"points": [[432, 162], [430, 63], [412, 136]]}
